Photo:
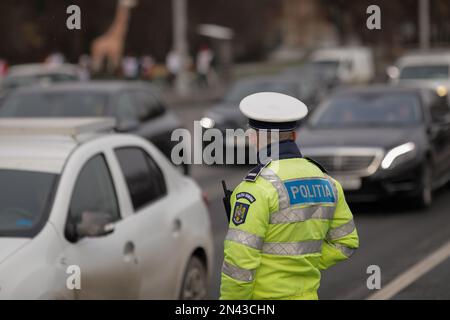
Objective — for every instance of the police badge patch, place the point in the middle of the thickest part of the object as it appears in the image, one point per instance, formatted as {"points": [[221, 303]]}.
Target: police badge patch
{"points": [[245, 195], [240, 213]]}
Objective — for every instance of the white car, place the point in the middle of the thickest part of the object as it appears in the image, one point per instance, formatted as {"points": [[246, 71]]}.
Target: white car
{"points": [[429, 69], [85, 214]]}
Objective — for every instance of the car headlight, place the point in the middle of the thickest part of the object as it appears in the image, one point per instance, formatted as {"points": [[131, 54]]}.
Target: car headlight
{"points": [[393, 72], [441, 91], [397, 152], [207, 123]]}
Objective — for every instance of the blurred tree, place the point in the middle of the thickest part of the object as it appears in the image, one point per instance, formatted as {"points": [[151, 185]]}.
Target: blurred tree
{"points": [[31, 29]]}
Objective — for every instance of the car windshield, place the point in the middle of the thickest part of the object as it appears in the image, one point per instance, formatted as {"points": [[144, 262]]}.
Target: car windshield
{"points": [[55, 104], [24, 201], [368, 110], [328, 64], [425, 72], [240, 90]]}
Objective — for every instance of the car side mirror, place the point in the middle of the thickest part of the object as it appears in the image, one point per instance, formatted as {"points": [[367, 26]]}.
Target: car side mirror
{"points": [[94, 224]]}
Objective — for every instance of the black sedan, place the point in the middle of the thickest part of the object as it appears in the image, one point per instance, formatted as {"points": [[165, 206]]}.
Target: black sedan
{"points": [[136, 106], [382, 141]]}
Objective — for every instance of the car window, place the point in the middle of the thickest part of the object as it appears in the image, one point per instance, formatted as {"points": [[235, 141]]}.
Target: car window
{"points": [[94, 191], [144, 179], [347, 65], [148, 106], [368, 109], [54, 104], [425, 72], [306, 89], [329, 64]]}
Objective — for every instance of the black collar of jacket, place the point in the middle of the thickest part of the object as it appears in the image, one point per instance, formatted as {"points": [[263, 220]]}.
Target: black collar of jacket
{"points": [[287, 150]]}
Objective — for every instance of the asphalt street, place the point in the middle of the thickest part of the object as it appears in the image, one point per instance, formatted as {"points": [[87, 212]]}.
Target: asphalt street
{"points": [[394, 236]]}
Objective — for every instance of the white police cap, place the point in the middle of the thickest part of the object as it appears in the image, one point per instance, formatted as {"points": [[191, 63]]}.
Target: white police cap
{"points": [[271, 110]]}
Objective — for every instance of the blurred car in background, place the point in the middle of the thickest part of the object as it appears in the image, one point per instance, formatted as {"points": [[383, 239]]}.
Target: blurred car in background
{"points": [[225, 114], [423, 68], [350, 64], [382, 141], [38, 73], [136, 106], [108, 204]]}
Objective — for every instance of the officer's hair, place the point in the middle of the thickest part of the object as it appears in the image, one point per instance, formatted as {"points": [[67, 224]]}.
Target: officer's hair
{"points": [[283, 135], [286, 135]]}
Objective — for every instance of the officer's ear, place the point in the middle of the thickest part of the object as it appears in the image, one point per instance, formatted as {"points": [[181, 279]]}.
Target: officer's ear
{"points": [[294, 135]]}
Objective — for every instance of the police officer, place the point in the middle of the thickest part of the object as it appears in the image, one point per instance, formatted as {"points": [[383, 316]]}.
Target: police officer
{"points": [[289, 219]]}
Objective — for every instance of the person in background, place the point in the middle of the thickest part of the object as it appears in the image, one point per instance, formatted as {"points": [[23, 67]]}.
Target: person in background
{"points": [[3, 68], [173, 65], [130, 67], [84, 63], [147, 64], [203, 64]]}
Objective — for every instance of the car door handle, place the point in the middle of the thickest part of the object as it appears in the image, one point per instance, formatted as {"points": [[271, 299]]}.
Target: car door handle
{"points": [[176, 228], [129, 253]]}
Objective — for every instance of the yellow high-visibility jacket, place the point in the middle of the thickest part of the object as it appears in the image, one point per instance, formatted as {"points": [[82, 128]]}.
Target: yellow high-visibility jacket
{"points": [[289, 220]]}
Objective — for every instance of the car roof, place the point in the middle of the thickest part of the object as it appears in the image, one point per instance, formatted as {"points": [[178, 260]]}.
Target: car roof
{"points": [[268, 78], [32, 69], [338, 52], [100, 86], [45, 147], [37, 153]]}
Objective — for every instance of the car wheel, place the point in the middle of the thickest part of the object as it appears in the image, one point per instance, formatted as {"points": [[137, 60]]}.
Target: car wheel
{"points": [[195, 281], [425, 197]]}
